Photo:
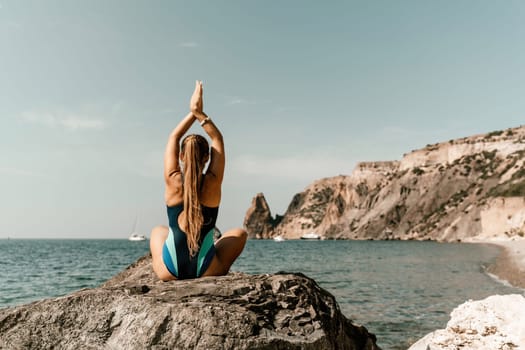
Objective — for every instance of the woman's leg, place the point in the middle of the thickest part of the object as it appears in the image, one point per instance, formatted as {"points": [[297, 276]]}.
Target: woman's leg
{"points": [[227, 249], [156, 242]]}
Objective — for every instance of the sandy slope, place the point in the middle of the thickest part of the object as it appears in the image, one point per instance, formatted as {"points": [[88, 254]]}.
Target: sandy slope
{"points": [[510, 265]]}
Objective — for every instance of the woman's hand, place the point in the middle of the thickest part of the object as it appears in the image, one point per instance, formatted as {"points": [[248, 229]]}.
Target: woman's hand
{"points": [[196, 104]]}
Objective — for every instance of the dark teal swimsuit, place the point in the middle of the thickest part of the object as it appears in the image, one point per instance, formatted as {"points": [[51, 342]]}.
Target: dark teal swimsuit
{"points": [[175, 252]]}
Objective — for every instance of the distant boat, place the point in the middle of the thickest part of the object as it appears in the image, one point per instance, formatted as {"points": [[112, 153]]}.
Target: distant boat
{"points": [[279, 238], [135, 237], [311, 235]]}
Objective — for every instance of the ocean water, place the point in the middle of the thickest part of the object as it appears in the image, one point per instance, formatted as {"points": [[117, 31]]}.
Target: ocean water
{"points": [[399, 290]]}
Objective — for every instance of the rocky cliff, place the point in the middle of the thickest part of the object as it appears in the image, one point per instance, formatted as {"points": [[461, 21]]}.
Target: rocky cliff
{"points": [[259, 221], [450, 191], [134, 310]]}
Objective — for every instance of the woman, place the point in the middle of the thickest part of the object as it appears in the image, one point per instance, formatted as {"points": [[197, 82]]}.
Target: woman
{"points": [[186, 249]]}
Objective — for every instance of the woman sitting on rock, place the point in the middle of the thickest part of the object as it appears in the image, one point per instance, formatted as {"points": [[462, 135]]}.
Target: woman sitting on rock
{"points": [[186, 248]]}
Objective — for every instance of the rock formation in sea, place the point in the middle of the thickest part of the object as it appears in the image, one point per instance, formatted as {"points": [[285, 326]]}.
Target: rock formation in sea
{"points": [[450, 191], [497, 322], [259, 221], [134, 310]]}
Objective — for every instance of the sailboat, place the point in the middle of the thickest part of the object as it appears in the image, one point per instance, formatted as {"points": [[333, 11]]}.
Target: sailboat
{"points": [[135, 237], [311, 235]]}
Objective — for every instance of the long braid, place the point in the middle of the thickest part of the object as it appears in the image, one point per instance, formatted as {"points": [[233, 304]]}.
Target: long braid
{"points": [[194, 150]]}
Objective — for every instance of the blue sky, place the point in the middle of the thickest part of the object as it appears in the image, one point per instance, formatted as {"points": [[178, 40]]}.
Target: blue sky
{"points": [[89, 91]]}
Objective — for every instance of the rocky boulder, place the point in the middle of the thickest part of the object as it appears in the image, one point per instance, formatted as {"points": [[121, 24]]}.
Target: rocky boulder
{"points": [[134, 310], [497, 322]]}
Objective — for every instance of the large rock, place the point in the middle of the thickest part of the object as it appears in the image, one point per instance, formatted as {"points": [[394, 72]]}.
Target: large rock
{"points": [[449, 191], [258, 221], [134, 310], [497, 322]]}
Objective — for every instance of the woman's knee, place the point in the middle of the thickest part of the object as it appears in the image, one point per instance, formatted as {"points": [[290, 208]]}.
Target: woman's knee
{"points": [[159, 231], [243, 235], [237, 232], [156, 240]]}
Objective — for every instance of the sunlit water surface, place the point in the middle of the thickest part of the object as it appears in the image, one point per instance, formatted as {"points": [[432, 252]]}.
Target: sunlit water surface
{"points": [[399, 290]]}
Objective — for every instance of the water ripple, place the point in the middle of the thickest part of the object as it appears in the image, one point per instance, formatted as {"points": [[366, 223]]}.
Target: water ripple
{"points": [[399, 290]]}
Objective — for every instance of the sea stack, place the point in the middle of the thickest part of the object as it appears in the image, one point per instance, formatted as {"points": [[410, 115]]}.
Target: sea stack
{"points": [[258, 221]]}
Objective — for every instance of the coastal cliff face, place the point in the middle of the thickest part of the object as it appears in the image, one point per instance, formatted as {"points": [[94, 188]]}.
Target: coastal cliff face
{"points": [[450, 191], [134, 310]]}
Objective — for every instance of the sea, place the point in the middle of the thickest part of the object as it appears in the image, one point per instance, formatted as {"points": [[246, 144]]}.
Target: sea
{"points": [[399, 291]]}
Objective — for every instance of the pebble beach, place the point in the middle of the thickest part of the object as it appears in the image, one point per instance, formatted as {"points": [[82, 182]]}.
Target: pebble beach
{"points": [[510, 265]]}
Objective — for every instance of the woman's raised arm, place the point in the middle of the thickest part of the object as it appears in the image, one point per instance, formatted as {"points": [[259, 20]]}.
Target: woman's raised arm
{"points": [[217, 156], [171, 155]]}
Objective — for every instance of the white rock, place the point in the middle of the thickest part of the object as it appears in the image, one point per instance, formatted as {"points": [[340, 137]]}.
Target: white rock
{"points": [[497, 322]]}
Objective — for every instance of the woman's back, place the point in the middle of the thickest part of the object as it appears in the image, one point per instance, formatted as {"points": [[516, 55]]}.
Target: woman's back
{"points": [[186, 249]]}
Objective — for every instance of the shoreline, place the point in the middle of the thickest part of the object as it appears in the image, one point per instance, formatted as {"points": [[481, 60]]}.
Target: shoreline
{"points": [[510, 264]]}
